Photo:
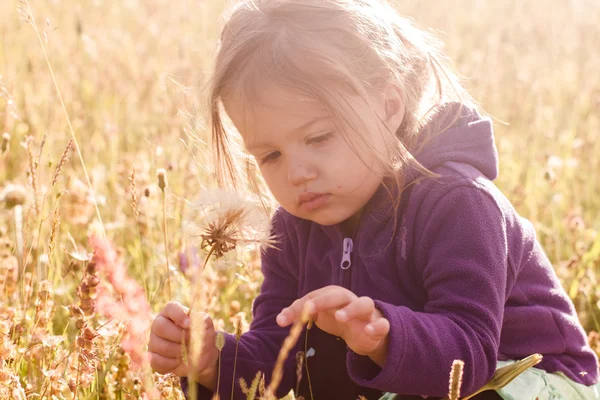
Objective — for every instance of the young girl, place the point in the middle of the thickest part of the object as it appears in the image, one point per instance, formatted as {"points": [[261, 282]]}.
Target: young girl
{"points": [[390, 231]]}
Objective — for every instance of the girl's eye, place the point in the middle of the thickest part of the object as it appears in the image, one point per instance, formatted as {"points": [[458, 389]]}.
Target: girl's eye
{"points": [[320, 139], [270, 157]]}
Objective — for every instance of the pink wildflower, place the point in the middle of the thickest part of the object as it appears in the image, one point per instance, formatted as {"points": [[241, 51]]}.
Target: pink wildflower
{"points": [[121, 298]]}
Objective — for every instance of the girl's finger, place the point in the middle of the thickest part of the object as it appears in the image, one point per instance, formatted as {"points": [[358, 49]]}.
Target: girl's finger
{"points": [[292, 313], [378, 328], [177, 313], [332, 299], [162, 364], [362, 308], [167, 329], [164, 347], [314, 302]]}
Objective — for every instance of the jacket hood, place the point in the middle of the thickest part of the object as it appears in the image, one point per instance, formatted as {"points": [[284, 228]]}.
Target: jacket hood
{"points": [[469, 139]]}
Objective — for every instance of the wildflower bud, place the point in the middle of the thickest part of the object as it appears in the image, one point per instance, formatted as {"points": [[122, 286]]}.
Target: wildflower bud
{"points": [[5, 142], [5, 377], [235, 306], [4, 328], [92, 281], [87, 305], [80, 341], [162, 179], [72, 385], [76, 312], [89, 333], [124, 358], [79, 324], [91, 268]]}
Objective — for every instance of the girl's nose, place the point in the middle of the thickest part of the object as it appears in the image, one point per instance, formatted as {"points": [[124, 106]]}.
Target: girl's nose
{"points": [[299, 173]]}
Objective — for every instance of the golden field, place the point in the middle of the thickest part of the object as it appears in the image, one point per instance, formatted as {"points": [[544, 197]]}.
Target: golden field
{"points": [[125, 81]]}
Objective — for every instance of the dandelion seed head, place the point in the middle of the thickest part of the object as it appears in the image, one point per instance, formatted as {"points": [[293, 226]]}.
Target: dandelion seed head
{"points": [[13, 195]]}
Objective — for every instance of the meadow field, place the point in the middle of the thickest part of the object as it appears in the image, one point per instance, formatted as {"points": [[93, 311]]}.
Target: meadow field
{"points": [[97, 97]]}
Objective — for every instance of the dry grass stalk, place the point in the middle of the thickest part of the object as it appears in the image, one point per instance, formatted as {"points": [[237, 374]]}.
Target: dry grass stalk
{"points": [[9, 271], [288, 344], [197, 327], [456, 376], [26, 15], [250, 392], [261, 386], [27, 290], [134, 201], [243, 385], [299, 367], [161, 174], [238, 336], [31, 171], [53, 232], [220, 343], [85, 346], [19, 236], [61, 163], [308, 326]]}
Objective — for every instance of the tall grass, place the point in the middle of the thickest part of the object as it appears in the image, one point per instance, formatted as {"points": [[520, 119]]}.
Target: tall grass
{"points": [[131, 75]]}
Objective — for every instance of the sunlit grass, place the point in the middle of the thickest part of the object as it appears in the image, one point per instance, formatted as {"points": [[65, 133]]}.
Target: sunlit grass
{"points": [[132, 73]]}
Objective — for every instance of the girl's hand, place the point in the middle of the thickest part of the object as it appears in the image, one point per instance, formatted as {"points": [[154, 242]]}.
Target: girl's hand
{"points": [[169, 333], [340, 312]]}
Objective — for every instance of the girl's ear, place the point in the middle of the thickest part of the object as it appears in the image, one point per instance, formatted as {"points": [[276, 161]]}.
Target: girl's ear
{"points": [[394, 106]]}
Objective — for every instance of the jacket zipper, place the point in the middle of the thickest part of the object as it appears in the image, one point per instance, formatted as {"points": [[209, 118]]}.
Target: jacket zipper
{"points": [[347, 247]]}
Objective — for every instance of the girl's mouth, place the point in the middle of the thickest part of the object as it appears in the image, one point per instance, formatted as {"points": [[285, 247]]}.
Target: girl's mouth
{"points": [[312, 201]]}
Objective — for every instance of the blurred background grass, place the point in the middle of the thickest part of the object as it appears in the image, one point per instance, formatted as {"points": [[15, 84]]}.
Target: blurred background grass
{"points": [[132, 74]]}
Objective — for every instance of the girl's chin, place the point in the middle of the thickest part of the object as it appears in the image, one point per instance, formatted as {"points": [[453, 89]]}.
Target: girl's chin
{"points": [[325, 217]]}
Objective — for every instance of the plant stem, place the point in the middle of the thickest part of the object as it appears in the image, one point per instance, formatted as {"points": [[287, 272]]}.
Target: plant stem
{"points": [[167, 278], [306, 361], [237, 342]]}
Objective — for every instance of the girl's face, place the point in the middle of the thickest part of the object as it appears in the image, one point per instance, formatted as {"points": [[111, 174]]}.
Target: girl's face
{"points": [[312, 168]]}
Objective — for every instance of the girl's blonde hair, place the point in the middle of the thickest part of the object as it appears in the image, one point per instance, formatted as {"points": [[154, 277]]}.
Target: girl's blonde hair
{"points": [[357, 45]]}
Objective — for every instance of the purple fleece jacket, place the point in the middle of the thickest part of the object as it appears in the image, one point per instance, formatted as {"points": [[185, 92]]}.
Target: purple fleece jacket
{"points": [[460, 276]]}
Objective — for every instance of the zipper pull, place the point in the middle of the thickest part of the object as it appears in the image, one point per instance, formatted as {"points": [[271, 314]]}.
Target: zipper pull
{"points": [[347, 249]]}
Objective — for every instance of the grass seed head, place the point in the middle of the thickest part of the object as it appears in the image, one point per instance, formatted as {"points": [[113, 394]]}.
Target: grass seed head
{"points": [[61, 163], [456, 375], [220, 340]]}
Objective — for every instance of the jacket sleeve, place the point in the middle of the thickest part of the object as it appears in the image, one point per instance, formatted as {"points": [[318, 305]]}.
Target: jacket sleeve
{"points": [[259, 347], [461, 257]]}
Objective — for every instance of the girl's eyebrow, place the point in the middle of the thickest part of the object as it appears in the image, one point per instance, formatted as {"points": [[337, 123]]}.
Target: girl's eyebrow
{"points": [[304, 126]]}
